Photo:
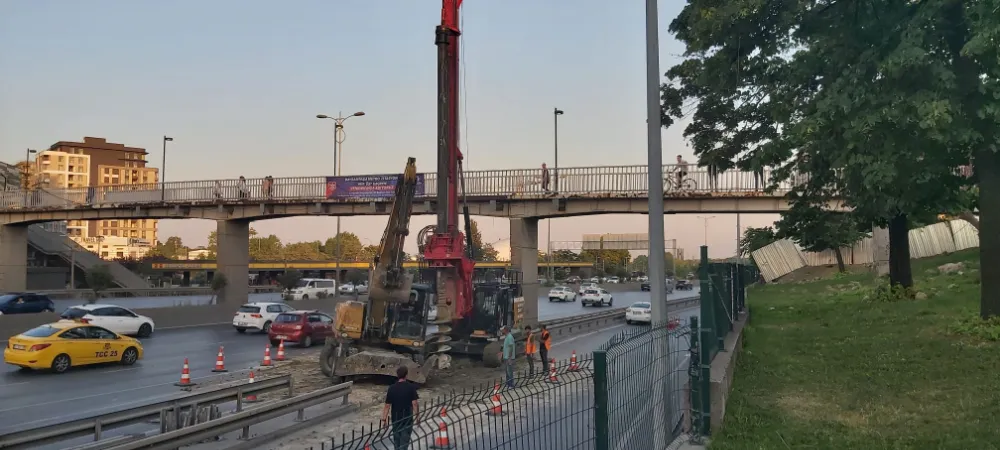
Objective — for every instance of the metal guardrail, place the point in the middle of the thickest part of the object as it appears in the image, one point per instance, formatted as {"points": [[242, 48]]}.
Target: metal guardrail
{"points": [[244, 419], [150, 292], [97, 425], [575, 323], [605, 181]]}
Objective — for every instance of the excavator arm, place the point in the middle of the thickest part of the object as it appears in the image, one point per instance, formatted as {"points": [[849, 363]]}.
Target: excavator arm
{"points": [[389, 282]]}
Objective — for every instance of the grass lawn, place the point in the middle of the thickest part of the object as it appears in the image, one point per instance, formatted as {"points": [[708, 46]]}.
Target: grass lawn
{"points": [[831, 365]]}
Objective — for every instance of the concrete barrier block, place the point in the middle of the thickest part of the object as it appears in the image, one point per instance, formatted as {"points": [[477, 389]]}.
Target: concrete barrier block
{"points": [[722, 371]]}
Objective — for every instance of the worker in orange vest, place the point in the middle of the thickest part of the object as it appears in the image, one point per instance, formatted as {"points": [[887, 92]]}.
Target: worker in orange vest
{"points": [[546, 339], [530, 349]]}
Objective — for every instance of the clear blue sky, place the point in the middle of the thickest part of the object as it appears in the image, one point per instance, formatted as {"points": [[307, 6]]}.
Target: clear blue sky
{"points": [[238, 83]]}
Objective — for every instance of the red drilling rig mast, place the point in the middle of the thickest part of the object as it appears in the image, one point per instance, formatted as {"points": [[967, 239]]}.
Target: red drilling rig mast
{"points": [[447, 250]]}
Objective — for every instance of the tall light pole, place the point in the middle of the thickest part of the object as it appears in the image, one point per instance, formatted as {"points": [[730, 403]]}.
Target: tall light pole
{"points": [[706, 219], [163, 170], [556, 112], [338, 139], [27, 167]]}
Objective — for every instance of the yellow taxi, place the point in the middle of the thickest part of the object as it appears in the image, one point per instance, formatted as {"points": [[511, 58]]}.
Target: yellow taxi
{"points": [[67, 343]]}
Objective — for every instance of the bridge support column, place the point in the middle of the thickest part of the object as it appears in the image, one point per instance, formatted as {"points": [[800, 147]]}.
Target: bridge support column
{"points": [[524, 257], [233, 259], [13, 257]]}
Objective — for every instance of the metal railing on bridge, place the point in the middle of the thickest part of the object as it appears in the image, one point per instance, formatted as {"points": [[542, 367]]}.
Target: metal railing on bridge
{"points": [[606, 181]]}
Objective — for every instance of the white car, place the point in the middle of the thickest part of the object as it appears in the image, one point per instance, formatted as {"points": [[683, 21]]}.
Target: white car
{"points": [[639, 312], [595, 280], [258, 316], [596, 297], [642, 279], [613, 280], [585, 286], [314, 288], [347, 288], [113, 317], [562, 293], [361, 288]]}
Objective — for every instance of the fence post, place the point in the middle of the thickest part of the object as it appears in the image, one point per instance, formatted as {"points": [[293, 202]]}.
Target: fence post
{"points": [[601, 414], [694, 372], [707, 304]]}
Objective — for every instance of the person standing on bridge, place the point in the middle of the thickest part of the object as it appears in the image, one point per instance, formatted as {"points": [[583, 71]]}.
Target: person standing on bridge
{"points": [[545, 178], [682, 171], [509, 354], [530, 348], [543, 349], [401, 402]]}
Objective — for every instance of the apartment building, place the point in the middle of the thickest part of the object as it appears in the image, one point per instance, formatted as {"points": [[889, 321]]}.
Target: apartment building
{"points": [[95, 162]]}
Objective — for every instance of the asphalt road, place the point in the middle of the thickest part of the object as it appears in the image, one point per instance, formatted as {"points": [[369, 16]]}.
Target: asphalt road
{"points": [[29, 399]]}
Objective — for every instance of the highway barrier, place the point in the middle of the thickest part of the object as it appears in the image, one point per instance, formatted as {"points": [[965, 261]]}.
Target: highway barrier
{"points": [[98, 425], [240, 420]]}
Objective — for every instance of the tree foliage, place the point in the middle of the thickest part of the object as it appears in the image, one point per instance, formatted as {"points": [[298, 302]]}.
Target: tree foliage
{"points": [[350, 247], [756, 238], [99, 279], [172, 248], [817, 230], [482, 251], [877, 102], [219, 282], [289, 279]]}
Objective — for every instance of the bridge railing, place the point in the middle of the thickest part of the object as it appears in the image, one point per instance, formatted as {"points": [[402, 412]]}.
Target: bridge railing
{"points": [[605, 181]]}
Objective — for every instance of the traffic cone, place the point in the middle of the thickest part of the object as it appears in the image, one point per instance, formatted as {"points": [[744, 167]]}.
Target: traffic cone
{"points": [[552, 373], [185, 376], [220, 362], [251, 398], [441, 441], [573, 367], [497, 407], [281, 350], [267, 355]]}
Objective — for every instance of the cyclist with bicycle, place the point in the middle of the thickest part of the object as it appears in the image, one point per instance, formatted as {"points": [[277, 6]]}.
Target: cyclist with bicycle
{"points": [[682, 170]]}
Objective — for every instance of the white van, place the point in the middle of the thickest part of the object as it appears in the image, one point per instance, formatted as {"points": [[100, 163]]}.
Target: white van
{"points": [[312, 287]]}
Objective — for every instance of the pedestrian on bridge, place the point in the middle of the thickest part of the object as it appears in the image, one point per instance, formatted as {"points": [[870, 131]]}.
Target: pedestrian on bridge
{"points": [[530, 349], [545, 178], [543, 349], [401, 402], [508, 354]]}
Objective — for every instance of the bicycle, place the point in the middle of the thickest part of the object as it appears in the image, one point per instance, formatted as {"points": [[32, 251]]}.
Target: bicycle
{"points": [[687, 184]]}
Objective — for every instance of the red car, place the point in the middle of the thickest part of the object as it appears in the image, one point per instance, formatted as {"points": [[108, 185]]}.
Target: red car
{"points": [[302, 327]]}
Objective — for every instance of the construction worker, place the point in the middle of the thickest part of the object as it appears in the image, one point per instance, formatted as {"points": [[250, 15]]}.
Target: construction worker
{"points": [[401, 400], [508, 354], [546, 339], [530, 349]]}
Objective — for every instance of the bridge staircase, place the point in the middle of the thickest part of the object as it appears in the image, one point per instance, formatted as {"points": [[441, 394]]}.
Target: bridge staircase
{"points": [[56, 244]]}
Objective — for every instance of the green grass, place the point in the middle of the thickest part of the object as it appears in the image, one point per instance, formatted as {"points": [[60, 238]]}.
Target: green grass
{"points": [[838, 364]]}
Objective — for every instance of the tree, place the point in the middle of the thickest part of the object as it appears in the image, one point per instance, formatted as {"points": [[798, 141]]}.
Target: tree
{"points": [[481, 251], [172, 248], [356, 277], [304, 251], [350, 247], [756, 238], [368, 253], [289, 280], [266, 249], [816, 230], [219, 282], [213, 243], [876, 102], [99, 279]]}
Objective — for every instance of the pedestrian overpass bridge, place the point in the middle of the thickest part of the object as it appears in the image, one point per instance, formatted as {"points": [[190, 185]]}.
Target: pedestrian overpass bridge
{"points": [[516, 194]]}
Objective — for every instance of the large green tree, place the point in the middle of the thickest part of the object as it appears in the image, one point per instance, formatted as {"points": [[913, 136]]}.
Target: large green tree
{"points": [[172, 248], [756, 238], [877, 102], [482, 251], [350, 247]]}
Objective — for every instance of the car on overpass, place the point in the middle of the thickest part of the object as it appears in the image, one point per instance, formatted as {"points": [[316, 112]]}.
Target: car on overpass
{"points": [[562, 294], [258, 316], [116, 318], [68, 343]]}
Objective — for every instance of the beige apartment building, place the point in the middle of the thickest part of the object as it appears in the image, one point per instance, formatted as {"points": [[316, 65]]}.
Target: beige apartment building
{"points": [[95, 162]]}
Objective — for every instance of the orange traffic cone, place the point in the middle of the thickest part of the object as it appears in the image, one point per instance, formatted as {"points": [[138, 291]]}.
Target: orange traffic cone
{"points": [[281, 350], [441, 441], [185, 376], [220, 362], [573, 367], [552, 372], [251, 397], [497, 407], [267, 355]]}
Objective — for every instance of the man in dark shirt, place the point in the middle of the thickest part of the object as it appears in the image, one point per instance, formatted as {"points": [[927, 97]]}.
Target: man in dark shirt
{"points": [[401, 401]]}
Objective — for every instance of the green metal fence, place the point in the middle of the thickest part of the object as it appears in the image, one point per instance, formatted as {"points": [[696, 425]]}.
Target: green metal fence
{"points": [[641, 380]]}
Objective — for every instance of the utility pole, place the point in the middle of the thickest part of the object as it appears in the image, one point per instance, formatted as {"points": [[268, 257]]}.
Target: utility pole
{"points": [[163, 170], [556, 112], [339, 135], [706, 219]]}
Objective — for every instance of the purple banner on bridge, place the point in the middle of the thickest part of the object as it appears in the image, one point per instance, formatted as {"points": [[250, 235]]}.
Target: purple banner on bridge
{"points": [[367, 186]]}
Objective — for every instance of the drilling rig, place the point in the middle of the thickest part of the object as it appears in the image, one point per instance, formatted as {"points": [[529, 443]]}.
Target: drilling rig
{"points": [[453, 309]]}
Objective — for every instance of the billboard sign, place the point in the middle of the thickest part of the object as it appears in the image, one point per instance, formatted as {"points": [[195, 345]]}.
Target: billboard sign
{"points": [[367, 187]]}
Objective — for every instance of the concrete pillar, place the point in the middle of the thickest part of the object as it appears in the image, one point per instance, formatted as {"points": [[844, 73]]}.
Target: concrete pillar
{"points": [[233, 259], [13, 257], [880, 250], [524, 257], [186, 278]]}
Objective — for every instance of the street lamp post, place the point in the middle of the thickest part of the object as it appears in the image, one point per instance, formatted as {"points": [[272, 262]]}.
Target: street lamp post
{"points": [[706, 219], [27, 167], [163, 170], [556, 112], [338, 140]]}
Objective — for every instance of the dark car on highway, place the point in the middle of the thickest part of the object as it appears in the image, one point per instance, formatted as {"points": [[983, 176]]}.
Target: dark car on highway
{"points": [[670, 286], [684, 285], [25, 303]]}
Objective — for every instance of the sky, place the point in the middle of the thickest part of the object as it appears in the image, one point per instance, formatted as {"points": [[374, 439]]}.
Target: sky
{"points": [[238, 84]]}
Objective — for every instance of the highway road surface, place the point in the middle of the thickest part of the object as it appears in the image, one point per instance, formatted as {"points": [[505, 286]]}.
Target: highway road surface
{"points": [[30, 399]]}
